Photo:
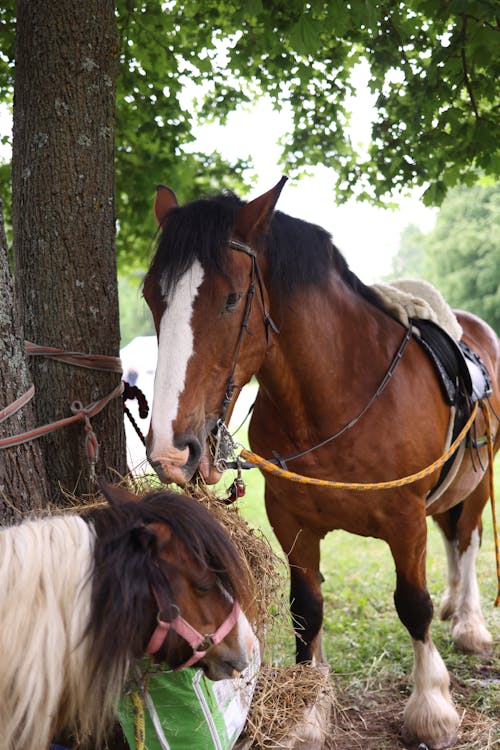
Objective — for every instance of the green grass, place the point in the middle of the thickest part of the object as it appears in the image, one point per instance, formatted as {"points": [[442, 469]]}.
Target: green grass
{"points": [[362, 632]]}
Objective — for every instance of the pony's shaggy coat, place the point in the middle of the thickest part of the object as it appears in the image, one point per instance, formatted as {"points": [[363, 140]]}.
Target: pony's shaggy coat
{"points": [[46, 565], [76, 609]]}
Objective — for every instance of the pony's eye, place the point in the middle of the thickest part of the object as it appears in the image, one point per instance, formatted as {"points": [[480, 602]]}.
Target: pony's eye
{"points": [[205, 587], [231, 301]]}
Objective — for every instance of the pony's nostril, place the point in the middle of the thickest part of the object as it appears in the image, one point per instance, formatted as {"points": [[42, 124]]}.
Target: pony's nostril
{"points": [[237, 666]]}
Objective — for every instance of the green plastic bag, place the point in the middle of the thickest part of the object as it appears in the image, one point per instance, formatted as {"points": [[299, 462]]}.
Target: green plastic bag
{"points": [[192, 712]]}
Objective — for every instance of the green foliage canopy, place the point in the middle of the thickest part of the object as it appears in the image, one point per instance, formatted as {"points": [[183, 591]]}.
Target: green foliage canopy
{"points": [[434, 69], [461, 255]]}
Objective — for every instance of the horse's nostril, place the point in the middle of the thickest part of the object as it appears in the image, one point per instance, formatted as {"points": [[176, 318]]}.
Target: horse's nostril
{"points": [[195, 450]]}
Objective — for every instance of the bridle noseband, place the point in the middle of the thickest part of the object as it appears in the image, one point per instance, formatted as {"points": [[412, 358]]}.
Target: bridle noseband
{"points": [[199, 642]]}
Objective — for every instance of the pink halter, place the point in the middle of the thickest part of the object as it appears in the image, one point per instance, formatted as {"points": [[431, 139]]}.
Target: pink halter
{"points": [[195, 639]]}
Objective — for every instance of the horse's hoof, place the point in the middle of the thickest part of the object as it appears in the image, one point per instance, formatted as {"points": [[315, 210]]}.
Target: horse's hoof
{"points": [[416, 743], [472, 638], [446, 608]]}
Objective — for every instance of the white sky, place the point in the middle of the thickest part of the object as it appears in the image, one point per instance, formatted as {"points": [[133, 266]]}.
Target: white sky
{"points": [[367, 236]]}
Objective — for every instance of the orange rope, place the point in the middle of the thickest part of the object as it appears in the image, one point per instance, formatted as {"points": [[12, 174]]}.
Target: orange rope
{"points": [[271, 468], [492, 497]]}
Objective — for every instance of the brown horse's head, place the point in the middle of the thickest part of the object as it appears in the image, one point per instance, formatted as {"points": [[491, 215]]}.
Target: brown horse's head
{"points": [[209, 306]]}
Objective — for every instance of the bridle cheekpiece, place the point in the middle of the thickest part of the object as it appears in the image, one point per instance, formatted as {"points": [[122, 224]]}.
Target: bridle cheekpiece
{"points": [[225, 448]]}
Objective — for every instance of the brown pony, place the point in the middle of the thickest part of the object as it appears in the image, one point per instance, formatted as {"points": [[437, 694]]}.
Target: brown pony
{"points": [[236, 290], [83, 597]]}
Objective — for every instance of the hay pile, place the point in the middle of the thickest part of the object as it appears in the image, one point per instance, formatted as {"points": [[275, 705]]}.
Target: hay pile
{"points": [[290, 705]]}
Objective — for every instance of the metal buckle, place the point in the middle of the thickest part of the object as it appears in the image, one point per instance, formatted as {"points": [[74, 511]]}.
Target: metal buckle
{"points": [[206, 643], [225, 447]]}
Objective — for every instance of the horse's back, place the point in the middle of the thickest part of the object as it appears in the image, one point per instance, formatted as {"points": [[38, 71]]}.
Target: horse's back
{"points": [[483, 339]]}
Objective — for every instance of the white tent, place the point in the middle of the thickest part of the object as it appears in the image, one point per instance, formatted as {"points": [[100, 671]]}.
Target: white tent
{"points": [[139, 357]]}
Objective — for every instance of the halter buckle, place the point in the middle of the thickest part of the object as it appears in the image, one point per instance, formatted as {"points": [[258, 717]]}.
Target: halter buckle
{"points": [[206, 643]]}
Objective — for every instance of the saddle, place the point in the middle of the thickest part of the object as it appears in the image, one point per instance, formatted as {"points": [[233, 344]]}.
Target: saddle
{"points": [[462, 375], [461, 371]]}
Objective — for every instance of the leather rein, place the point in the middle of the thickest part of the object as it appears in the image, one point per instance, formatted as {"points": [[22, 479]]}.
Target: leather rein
{"points": [[224, 444]]}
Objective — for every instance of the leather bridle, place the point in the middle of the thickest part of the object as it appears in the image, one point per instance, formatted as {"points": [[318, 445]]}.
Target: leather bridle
{"points": [[255, 282], [223, 441]]}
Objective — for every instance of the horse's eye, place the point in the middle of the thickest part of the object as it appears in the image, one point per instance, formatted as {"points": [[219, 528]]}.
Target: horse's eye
{"points": [[231, 301]]}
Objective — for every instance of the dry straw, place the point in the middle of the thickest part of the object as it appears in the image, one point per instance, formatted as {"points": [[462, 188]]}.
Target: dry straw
{"points": [[280, 711]]}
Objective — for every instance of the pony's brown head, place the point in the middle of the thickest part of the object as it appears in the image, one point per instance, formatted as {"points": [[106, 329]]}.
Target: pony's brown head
{"points": [[171, 583], [209, 304]]}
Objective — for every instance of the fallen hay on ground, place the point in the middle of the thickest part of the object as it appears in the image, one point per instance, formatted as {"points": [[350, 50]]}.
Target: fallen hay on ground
{"points": [[290, 705]]}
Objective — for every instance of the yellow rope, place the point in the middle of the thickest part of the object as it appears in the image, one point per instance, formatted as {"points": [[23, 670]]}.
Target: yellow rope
{"points": [[492, 497], [271, 468], [139, 720]]}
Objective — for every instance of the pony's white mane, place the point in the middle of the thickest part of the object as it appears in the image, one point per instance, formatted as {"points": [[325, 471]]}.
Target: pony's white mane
{"points": [[46, 666]]}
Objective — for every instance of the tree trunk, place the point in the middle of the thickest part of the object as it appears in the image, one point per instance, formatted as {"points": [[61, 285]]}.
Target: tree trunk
{"points": [[23, 482], [64, 219]]}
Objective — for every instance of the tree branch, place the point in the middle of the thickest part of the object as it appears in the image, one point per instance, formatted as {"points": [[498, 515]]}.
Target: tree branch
{"points": [[467, 81]]}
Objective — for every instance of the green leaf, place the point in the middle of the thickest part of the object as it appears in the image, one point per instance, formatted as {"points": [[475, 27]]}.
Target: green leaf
{"points": [[305, 35]]}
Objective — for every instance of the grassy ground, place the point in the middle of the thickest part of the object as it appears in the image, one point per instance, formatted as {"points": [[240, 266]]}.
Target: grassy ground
{"points": [[370, 652]]}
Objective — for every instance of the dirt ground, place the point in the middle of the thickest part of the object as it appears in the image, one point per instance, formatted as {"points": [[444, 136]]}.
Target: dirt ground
{"points": [[373, 720]]}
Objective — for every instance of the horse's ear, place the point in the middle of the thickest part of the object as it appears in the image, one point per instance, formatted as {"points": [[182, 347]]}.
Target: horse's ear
{"points": [[165, 201], [115, 494], [255, 216]]}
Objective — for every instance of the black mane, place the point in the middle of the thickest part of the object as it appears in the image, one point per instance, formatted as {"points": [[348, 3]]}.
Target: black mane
{"points": [[299, 253], [127, 565]]}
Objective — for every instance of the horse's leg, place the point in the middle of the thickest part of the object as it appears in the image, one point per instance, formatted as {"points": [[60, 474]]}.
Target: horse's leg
{"points": [[429, 716], [461, 528], [302, 547]]}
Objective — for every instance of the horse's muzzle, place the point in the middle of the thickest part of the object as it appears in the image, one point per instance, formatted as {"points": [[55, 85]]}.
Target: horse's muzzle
{"points": [[180, 462]]}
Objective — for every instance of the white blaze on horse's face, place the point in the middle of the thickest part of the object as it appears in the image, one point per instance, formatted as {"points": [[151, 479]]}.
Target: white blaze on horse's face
{"points": [[175, 348]]}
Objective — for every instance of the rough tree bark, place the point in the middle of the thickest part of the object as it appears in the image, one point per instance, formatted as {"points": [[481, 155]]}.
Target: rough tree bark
{"points": [[64, 219], [23, 482]]}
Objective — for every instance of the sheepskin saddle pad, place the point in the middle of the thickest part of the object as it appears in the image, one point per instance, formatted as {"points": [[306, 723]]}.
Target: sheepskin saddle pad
{"points": [[462, 374]]}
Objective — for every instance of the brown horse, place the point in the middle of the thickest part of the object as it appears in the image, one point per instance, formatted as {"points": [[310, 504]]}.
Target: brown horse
{"points": [[319, 342], [83, 597]]}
